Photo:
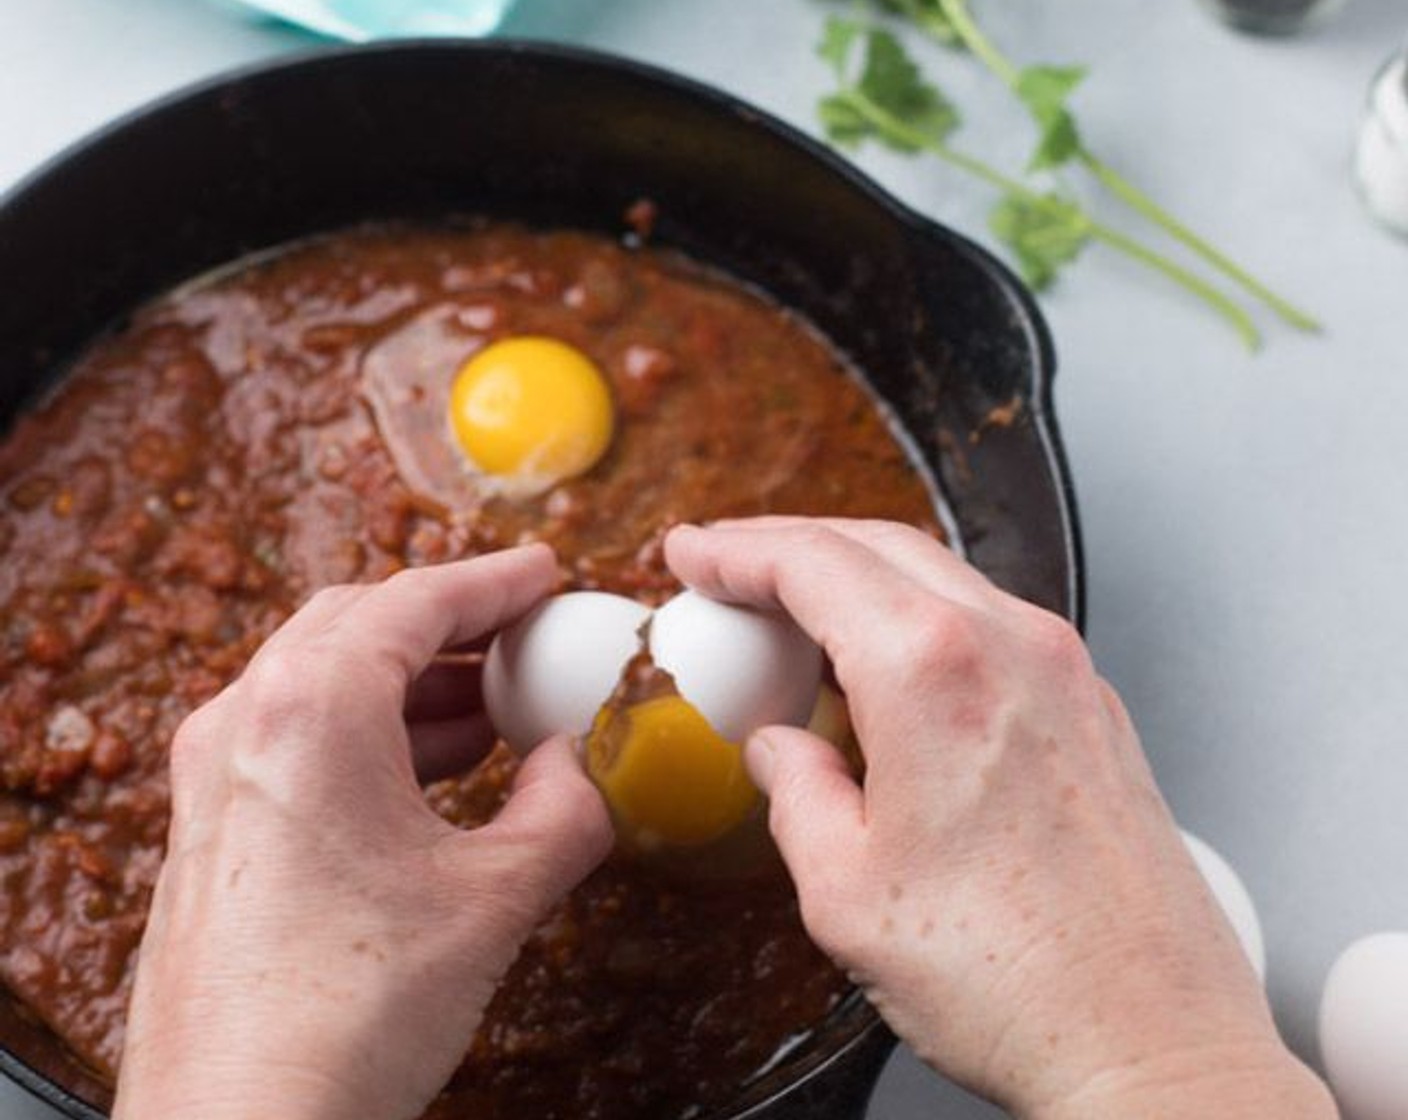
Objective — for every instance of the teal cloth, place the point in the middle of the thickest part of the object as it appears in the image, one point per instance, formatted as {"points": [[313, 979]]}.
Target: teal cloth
{"points": [[360, 20]]}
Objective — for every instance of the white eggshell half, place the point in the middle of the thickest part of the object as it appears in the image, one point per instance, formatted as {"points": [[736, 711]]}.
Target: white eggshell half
{"points": [[1236, 903], [1364, 1028], [741, 668], [553, 669]]}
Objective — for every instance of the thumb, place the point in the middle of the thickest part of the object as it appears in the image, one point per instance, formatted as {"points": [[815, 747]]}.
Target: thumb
{"points": [[554, 829], [817, 811]]}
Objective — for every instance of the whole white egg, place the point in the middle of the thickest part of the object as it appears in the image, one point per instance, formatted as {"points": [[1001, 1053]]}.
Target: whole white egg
{"points": [[553, 669], [1364, 1028], [1232, 896]]}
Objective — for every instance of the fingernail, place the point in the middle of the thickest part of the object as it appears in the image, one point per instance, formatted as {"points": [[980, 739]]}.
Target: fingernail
{"points": [[760, 756]]}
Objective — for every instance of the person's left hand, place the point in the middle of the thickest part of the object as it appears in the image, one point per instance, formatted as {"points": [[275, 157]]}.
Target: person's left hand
{"points": [[321, 944]]}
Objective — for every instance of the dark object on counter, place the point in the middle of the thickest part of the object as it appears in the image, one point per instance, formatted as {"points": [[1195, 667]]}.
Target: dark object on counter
{"points": [[1271, 17], [560, 138]]}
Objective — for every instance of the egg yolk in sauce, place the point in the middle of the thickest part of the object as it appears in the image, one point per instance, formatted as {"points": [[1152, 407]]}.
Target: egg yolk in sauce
{"points": [[668, 776], [531, 408]]}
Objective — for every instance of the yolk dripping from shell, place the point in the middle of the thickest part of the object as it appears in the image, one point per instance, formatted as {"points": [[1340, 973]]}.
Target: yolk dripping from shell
{"points": [[668, 776], [532, 408]]}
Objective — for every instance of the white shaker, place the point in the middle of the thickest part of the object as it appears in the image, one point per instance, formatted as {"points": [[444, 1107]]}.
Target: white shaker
{"points": [[1381, 157]]}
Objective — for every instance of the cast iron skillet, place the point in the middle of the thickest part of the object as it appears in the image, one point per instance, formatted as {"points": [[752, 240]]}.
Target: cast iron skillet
{"points": [[559, 137]]}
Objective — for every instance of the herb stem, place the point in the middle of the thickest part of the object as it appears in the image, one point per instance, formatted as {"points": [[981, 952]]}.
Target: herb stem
{"points": [[1240, 321], [912, 138], [972, 37], [1141, 203]]}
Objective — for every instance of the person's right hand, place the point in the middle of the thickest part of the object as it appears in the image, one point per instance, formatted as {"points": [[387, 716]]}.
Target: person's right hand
{"points": [[1005, 883]]}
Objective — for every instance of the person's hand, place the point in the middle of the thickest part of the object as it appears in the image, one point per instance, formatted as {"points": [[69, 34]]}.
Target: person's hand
{"points": [[1005, 883], [321, 944]]}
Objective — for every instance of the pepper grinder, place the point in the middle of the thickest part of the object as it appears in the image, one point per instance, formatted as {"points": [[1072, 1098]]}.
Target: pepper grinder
{"points": [[1271, 17], [1381, 157]]}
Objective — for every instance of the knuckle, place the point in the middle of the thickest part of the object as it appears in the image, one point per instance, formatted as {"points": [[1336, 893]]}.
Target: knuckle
{"points": [[1113, 704], [194, 737], [789, 788], [287, 688], [900, 534], [818, 543], [944, 643], [1056, 642], [816, 540], [276, 682], [816, 534], [408, 582], [195, 729], [398, 582], [329, 597]]}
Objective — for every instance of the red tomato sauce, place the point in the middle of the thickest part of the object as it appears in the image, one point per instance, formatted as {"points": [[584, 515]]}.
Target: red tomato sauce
{"points": [[204, 469]]}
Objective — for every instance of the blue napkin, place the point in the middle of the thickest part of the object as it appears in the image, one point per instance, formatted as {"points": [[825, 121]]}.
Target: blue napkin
{"points": [[360, 20]]}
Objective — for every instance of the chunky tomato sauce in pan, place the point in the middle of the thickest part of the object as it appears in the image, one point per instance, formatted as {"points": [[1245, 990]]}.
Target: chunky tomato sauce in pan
{"points": [[278, 427]]}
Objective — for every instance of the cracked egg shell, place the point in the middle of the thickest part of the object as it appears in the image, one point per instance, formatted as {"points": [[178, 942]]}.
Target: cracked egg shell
{"points": [[554, 669], [741, 669]]}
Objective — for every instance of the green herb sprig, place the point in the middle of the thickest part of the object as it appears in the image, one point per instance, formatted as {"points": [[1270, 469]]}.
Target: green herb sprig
{"points": [[884, 97]]}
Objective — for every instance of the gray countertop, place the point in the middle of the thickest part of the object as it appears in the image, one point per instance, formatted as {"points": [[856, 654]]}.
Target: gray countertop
{"points": [[1245, 519]]}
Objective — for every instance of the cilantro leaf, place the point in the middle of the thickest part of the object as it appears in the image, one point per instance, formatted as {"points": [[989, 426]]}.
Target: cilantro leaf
{"points": [[892, 83], [888, 101], [1058, 144], [892, 103], [1044, 232], [843, 123], [1044, 90], [837, 37]]}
